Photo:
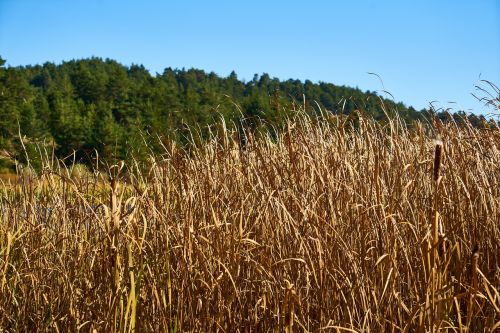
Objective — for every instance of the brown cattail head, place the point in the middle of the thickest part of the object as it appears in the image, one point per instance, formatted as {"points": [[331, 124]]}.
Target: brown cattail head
{"points": [[437, 158]]}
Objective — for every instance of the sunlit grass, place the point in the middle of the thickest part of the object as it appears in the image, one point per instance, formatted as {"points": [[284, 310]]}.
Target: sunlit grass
{"points": [[332, 225]]}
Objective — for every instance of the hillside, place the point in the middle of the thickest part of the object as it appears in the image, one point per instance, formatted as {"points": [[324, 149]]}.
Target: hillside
{"points": [[94, 105]]}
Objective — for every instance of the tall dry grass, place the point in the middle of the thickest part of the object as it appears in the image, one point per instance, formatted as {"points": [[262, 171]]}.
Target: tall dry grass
{"points": [[330, 226]]}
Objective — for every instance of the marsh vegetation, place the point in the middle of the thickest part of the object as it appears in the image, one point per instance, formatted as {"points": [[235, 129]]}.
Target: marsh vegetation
{"points": [[328, 225]]}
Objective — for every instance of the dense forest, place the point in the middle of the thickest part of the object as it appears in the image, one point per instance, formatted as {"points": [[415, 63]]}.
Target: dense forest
{"points": [[83, 108]]}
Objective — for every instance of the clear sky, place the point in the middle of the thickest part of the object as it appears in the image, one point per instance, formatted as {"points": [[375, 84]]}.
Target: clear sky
{"points": [[422, 50]]}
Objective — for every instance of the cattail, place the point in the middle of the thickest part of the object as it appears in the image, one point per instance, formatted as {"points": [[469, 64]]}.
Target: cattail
{"points": [[473, 283], [437, 158]]}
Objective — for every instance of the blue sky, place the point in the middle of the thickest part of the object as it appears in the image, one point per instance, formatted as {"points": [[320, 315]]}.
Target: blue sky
{"points": [[422, 50]]}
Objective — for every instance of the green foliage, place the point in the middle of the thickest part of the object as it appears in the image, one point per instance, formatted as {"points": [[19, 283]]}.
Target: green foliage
{"points": [[95, 106]]}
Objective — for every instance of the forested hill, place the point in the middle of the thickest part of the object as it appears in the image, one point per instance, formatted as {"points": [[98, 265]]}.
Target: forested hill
{"points": [[100, 105]]}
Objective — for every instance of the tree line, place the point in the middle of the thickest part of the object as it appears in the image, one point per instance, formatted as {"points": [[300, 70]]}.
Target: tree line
{"points": [[88, 107]]}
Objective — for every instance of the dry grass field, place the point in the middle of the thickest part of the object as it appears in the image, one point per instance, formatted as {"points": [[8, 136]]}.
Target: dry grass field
{"points": [[331, 226]]}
